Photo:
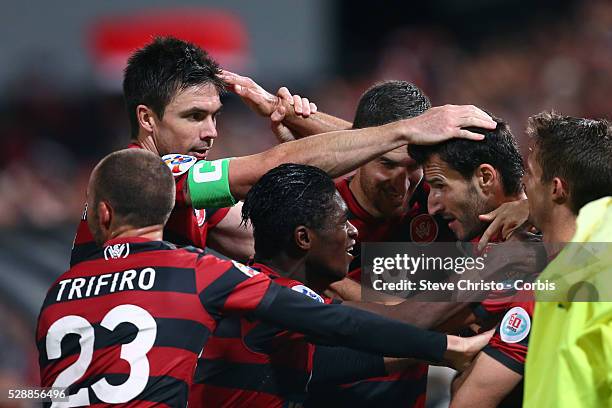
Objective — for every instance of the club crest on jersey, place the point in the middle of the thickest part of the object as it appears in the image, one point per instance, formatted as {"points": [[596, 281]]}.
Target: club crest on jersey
{"points": [[423, 228], [305, 290], [200, 215], [515, 325], [179, 163], [116, 251], [250, 272]]}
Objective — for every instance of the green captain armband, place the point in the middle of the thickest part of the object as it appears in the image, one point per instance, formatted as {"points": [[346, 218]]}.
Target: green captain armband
{"points": [[209, 184]]}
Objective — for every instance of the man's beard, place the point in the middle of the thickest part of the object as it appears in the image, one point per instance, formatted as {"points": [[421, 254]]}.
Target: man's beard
{"points": [[472, 208]]}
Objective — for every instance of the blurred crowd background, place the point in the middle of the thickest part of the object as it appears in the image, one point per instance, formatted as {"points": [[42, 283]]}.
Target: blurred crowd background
{"points": [[61, 108]]}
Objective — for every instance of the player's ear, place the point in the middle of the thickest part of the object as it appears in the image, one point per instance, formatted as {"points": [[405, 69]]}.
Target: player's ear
{"points": [[560, 190], [105, 217], [487, 178], [302, 237], [146, 118]]}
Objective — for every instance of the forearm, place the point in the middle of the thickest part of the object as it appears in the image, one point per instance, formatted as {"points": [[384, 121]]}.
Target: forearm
{"points": [[348, 327], [314, 124], [337, 153], [340, 365], [421, 314]]}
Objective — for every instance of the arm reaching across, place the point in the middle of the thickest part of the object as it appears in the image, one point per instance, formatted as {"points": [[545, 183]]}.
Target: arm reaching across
{"points": [[301, 116], [336, 152], [361, 330]]}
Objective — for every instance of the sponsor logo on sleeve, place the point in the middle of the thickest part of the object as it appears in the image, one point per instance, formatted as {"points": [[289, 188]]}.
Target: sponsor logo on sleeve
{"points": [[515, 325], [305, 290], [250, 272], [179, 163]]}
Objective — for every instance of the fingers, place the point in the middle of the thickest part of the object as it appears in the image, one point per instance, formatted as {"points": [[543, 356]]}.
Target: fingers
{"points": [[490, 216], [305, 107], [466, 134], [235, 79], [278, 115], [285, 95], [471, 116], [297, 104], [313, 108], [491, 231]]}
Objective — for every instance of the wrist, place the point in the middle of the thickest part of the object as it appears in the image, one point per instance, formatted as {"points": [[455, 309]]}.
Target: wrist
{"points": [[405, 130]]}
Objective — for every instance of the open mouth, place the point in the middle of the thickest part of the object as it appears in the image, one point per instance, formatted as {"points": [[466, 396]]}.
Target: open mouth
{"points": [[200, 154], [349, 249]]}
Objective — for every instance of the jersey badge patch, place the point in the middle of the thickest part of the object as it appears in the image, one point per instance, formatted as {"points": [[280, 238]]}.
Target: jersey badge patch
{"points": [[250, 272], [515, 325], [179, 163], [423, 228], [116, 251], [305, 290], [200, 215]]}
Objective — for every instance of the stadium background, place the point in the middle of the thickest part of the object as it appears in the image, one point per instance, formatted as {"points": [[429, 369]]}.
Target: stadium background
{"points": [[61, 108]]}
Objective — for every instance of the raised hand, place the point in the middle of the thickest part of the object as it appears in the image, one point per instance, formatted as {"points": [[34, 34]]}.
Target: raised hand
{"points": [[505, 219], [446, 122], [263, 102]]}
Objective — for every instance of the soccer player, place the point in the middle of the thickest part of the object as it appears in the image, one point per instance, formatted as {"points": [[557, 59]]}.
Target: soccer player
{"points": [[467, 180], [125, 326], [172, 88], [387, 202], [569, 186], [303, 240]]}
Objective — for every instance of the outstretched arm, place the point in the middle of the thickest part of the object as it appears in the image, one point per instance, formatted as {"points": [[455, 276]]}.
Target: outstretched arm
{"points": [[361, 330], [337, 152]]}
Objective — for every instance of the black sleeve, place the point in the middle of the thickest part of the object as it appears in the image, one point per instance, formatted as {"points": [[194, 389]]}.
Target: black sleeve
{"points": [[349, 327], [340, 365]]}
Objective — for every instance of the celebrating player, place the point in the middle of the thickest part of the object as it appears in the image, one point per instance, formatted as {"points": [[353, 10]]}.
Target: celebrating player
{"points": [[172, 88], [302, 240], [467, 180], [126, 324]]}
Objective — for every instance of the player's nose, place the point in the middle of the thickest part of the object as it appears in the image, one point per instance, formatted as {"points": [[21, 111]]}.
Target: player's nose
{"points": [[208, 129], [401, 182], [352, 231], [434, 204]]}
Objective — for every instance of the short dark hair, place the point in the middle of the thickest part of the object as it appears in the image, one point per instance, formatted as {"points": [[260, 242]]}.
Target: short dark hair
{"points": [[156, 72], [388, 102], [576, 150], [137, 184], [499, 149], [286, 197]]}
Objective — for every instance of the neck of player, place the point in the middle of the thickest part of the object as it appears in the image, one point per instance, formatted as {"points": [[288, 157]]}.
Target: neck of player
{"points": [[295, 268], [151, 232], [560, 226]]}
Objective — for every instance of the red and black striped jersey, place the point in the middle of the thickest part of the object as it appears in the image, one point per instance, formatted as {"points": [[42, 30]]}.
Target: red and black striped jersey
{"points": [[248, 363], [406, 388], [414, 225], [514, 311], [127, 324], [510, 350], [186, 225]]}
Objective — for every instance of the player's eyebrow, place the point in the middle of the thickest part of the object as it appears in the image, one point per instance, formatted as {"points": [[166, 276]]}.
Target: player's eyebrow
{"points": [[196, 109], [434, 179], [387, 160]]}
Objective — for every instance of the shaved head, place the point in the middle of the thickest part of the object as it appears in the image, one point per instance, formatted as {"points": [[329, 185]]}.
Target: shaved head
{"points": [[136, 184]]}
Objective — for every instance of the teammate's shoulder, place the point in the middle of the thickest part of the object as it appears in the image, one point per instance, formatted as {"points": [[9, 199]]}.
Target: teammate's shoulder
{"points": [[179, 164]]}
